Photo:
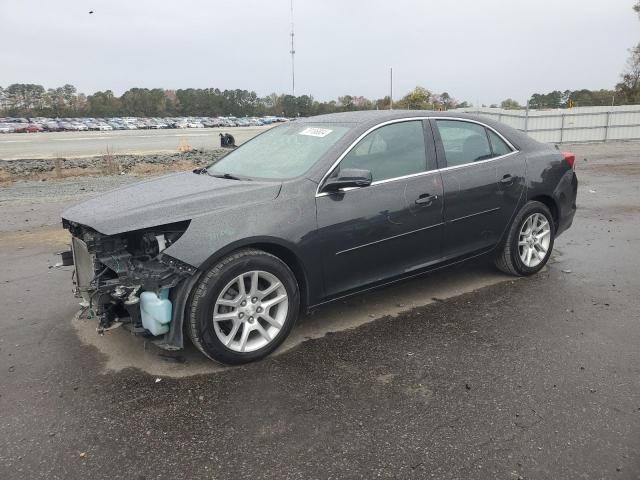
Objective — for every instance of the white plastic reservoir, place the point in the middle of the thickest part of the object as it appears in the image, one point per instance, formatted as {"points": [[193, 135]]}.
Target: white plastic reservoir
{"points": [[155, 311]]}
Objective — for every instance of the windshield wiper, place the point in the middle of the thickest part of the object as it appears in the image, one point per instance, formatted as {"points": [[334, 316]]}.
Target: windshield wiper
{"points": [[228, 176]]}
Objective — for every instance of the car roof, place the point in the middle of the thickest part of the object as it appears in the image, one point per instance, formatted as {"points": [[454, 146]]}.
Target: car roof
{"points": [[365, 119], [378, 116]]}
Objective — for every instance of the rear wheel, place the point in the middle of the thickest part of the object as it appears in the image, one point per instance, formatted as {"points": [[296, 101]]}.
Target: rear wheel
{"points": [[529, 242], [243, 307]]}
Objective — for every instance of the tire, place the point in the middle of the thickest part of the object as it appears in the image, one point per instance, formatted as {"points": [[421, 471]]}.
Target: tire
{"points": [[249, 324], [510, 259]]}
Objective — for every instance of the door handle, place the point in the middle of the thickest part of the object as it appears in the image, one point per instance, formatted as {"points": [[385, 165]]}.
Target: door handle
{"points": [[507, 179], [426, 199]]}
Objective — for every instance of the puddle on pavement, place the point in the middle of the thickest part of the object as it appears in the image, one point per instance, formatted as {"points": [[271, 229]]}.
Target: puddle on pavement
{"points": [[123, 350]]}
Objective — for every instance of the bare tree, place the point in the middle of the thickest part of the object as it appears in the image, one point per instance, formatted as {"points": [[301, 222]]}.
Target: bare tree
{"points": [[629, 87]]}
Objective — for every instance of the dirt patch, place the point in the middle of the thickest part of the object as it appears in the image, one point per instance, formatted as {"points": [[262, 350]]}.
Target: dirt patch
{"points": [[143, 169], [38, 169], [54, 236], [612, 210], [5, 178], [618, 168]]}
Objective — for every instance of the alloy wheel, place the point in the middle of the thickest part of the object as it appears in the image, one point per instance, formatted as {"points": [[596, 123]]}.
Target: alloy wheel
{"points": [[534, 240], [250, 311]]}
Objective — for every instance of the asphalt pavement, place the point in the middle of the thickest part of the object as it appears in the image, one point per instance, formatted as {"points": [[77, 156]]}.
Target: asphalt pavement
{"points": [[464, 373], [15, 146]]}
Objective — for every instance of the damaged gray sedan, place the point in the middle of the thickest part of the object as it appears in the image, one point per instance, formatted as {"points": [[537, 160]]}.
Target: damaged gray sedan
{"points": [[310, 212]]}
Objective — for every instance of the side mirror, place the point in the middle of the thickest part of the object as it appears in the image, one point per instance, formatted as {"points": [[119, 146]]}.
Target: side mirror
{"points": [[348, 178]]}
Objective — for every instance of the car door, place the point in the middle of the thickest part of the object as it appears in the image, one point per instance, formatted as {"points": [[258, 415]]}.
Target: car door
{"points": [[510, 173], [481, 187], [391, 227]]}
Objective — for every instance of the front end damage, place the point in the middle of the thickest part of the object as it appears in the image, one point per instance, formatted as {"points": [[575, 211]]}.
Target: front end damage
{"points": [[126, 279]]}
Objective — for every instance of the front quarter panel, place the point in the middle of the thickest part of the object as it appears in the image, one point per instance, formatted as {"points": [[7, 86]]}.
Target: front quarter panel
{"points": [[288, 221]]}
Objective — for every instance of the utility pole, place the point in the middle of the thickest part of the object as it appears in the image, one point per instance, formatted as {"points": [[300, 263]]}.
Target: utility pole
{"points": [[391, 91], [293, 53]]}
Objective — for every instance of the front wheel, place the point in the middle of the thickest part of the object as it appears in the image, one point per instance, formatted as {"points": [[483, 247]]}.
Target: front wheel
{"points": [[243, 307], [529, 242]]}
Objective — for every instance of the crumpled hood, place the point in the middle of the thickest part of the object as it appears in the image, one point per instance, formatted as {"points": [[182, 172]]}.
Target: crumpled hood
{"points": [[167, 199]]}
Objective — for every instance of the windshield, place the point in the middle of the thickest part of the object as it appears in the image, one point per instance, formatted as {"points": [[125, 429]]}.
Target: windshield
{"points": [[284, 152]]}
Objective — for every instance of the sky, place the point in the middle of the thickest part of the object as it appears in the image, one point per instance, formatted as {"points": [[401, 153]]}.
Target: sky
{"points": [[482, 51]]}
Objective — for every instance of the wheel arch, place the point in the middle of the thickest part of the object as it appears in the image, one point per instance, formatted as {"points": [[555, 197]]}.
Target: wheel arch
{"points": [[276, 247], [551, 205]]}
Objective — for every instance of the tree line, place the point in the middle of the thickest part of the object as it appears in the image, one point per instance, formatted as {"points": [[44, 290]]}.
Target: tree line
{"points": [[31, 100], [569, 99]]}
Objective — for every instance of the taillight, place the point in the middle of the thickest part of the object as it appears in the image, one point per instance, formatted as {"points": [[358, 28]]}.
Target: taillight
{"points": [[570, 158]]}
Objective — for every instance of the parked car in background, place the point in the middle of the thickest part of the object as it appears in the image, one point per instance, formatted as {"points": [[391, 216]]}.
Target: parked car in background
{"points": [[52, 126], [13, 124], [212, 123]]}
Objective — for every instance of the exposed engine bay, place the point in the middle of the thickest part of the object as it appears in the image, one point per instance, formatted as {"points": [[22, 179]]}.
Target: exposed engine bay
{"points": [[127, 279]]}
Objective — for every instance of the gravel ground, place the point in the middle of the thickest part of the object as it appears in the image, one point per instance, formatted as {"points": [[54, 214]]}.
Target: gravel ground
{"points": [[109, 163]]}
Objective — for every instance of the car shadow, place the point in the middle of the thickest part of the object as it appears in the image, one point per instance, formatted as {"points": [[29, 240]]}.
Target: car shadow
{"points": [[122, 350]]}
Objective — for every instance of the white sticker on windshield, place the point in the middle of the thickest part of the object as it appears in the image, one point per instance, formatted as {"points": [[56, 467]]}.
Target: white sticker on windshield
{"points": [[316, 132]]}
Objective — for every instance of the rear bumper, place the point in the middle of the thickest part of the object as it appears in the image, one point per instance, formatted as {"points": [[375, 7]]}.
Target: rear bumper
{"points": [[565, 196]]}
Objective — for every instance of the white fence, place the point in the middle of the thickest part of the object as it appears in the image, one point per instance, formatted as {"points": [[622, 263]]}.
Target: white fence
{"points": [[575, 125]]}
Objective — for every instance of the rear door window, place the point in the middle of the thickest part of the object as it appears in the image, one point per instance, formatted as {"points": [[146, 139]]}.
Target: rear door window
{"points": [[463, 142]]}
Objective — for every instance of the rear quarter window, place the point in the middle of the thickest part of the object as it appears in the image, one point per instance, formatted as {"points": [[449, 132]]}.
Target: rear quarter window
{"points": [[498, 145]]}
